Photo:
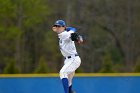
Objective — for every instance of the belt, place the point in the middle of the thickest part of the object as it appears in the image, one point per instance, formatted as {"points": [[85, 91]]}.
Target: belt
{"points": [[71, 56]]}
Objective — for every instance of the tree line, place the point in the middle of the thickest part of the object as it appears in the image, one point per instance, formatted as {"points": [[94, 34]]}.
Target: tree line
{"points": [[111, 30]]}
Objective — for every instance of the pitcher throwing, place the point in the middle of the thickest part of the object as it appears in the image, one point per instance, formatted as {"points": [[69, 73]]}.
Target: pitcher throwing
{"points": [[67, 38]]}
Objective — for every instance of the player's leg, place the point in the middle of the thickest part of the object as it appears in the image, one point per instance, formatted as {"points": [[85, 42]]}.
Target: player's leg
{"points": [[76, 63], [70, 66], [65, 85], [70, 77], [64, 76]]}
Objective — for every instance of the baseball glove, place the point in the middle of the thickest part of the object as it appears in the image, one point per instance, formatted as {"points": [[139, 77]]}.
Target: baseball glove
{"points": [[77, 38]]}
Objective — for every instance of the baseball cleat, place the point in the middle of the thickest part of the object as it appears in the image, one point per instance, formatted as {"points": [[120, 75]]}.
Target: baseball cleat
{"points": [[73, 92]]}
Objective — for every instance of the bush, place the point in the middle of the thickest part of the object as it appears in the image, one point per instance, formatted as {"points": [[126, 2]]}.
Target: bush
{"points": [[107, 65], [137, 67], [78, 70], [11, 68], [42, 67]]}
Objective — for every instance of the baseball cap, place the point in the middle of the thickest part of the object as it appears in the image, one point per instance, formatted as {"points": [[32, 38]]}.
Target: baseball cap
{"points": [[60, 23]]}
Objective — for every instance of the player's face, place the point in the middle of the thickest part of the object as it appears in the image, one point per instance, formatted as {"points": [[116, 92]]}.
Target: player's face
{"points": [[58, 29]]}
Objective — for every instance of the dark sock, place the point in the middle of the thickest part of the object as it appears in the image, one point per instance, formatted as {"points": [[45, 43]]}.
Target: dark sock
{"points": [[65, 85], [70, 89]]}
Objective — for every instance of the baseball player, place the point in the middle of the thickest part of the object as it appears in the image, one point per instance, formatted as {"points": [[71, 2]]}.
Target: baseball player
{"points": [[67, 38]]}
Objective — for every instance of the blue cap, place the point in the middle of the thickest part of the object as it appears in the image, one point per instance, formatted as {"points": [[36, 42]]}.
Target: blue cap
{"points": [[60, 23]]}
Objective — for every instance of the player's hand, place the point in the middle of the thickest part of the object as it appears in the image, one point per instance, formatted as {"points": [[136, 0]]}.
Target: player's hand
{"points": [[54, 28], [80, 40]]}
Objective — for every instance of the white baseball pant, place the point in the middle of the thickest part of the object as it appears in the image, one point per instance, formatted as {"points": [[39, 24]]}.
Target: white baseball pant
{"points": [[70, 65]]}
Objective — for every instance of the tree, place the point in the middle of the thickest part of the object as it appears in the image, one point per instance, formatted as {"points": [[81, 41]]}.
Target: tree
{"points": [[110, 27], [42, 67], [137, 66], [11, 68], [21, 24], [107, 66]]}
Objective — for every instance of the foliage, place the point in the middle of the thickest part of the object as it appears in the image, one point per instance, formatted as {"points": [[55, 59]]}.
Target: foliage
{"points": [[42, 67], [137, 66], [78, 70], [107, 66], [11, 68], [111, 29]]}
